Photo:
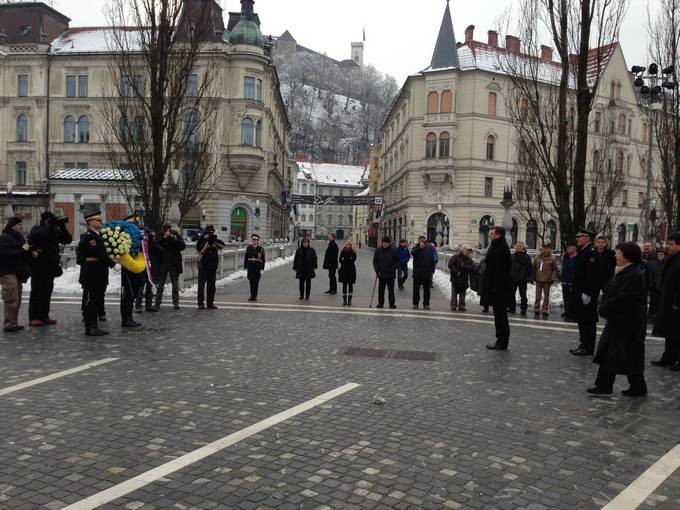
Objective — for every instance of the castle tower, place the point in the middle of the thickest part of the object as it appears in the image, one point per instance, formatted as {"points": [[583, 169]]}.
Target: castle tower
{"points": [[358, 53]]}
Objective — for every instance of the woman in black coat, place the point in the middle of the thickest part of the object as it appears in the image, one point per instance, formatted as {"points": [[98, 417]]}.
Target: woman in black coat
{"points": [[304, 265], [622, 345], [348, 271], [667, 318]]}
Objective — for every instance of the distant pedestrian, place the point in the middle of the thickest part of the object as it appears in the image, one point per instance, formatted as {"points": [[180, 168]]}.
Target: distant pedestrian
{"points": [[404, 257], [461, 267], [253, 263], [521, 274], [208, 247], [497, 286], [330, 262], [304, 265], [567, 279], [423, 268], [170, 248], [667, 319], [606, 260], [621, 349], [654, 269], [45, 240], [385, 263], [347, 274], [545, 274], [587, 281], [14, 258]]}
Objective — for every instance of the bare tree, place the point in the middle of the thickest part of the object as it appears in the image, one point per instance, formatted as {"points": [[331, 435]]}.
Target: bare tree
{"points": [[160, 110]]}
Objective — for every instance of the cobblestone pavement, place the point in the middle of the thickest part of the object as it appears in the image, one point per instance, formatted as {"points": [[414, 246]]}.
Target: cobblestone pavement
{"points": [[473, 429]]}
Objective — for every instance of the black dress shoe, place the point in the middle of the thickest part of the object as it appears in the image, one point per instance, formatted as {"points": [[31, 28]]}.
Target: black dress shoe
{"points": [[12, 329], [327, 292], [599, 391], [201, 306], [393, 307], [96, 332], [136, 324], [583, 352], [380, 306], [497, 347], [580, 347], [212, 307], [662, 363], [129, 324]]}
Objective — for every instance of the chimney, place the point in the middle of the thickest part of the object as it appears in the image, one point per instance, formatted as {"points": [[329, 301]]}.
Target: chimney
{"points": [[546, 53], [512, 43], [493, 38], [469, 33]]}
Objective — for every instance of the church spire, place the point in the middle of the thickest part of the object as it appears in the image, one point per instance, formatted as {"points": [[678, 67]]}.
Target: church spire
{"points": [[445, 52]]}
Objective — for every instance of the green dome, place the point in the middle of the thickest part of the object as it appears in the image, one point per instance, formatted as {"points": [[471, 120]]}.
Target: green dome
{"points": [[246, 32]]}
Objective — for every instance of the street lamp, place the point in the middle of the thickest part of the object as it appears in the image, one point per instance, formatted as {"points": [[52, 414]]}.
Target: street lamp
{"points": [[507, 204], [650, 90], [174, 214]]}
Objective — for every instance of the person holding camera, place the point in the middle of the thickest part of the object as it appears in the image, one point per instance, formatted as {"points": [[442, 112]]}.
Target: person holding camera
{"points": [[208, 247], [45, 240], [170, 247], [14, 256]]}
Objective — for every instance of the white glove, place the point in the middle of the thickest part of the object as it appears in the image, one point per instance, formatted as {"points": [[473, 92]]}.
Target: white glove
{"points": [[586, 299]]}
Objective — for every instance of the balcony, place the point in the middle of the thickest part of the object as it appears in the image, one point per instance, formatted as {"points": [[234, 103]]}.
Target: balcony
{"points": [[245, 161]]}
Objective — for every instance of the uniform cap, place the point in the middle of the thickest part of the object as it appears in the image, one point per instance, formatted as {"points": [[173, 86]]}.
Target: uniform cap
{"points": [[94, 215], [255, 236], [583, 231]]}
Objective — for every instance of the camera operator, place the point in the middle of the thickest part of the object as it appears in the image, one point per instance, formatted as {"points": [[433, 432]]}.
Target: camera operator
{"points": [[170, 247], [45, 264], [208, 246]]}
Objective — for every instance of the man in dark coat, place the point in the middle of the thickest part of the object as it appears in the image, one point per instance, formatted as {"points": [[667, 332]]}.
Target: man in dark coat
{"points": [[423, 268], [14, 256], [94, 273], [667, 319], [622, 346], [170, 247], [330, 262], [606, 260], [253, 263], [385, 263], [587, 281], [497, 285], [461, 266], [520, 274], [45, 265], [208, 247], [567, 279], [304, 265]]}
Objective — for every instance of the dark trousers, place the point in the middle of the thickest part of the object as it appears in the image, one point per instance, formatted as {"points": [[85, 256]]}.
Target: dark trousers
{"points": [[347, 288], [402, 274], [654, 297], [605, 380], [568, 299], [206, 278], [174, 280], [41, 295], [102, 306], [254, 285], [500, 320], [333, 283], [389, 284], [588, 333], [93, 301], [671, 352], [425, 284], [524, 303], [305, 287], [145, 293], [129, 287]]}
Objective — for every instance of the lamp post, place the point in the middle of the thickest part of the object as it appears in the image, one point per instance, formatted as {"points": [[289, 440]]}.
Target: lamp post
{"points": [[9, 209], [650, 89], [507, 204], [174, 215]]}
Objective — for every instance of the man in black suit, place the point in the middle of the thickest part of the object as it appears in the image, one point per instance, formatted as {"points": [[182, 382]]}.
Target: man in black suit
{"points": [[588, 278], [497, 286], [330, 262]]}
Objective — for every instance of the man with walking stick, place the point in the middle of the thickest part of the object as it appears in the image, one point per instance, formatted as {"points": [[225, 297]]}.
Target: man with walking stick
{"points": [[386, 262]]}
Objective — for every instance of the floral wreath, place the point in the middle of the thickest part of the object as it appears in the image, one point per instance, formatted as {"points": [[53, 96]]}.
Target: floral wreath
{"points": [[122, 241]]}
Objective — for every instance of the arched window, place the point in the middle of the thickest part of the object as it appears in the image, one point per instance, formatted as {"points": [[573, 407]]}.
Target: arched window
{"points": [[513, 232], [83, 129], [493, 99], [239, 223], [598, 122], [447, 101], [191, 130], [636, 233], [532, 234], [621, 232], [619, 162], [22, 128], [444, 145], [490, 148], [433, 102], [622, 124], [247, 131], [303, 218], [596, 160], [69, 129], [258, 133], [304, 188], [340, 220], [551, 232], [431, 146]]}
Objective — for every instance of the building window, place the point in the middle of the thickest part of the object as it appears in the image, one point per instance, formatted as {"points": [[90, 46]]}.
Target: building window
{"points": [[133, 86], [532, 234], [447, 102], [82, 85], [431, 146], [598, 122], [612, 90], [597, 163], [330, 219], [69, 129], [641, 200], [523, 153], [619, 163], [444, 145], [303, 189], [622, 124], [490, 148], [493, 99], [624, 198], [258, 90], [22, 85], [645, 134], [488, 187], [524, 110], [258, 133], [247, 131], [70, 86], [191, 130], [83, 129], [432, 102], [249, 87], [340, 220], [629, 165], [192, 85], [21, 172], [22, 128], [82, 166]]}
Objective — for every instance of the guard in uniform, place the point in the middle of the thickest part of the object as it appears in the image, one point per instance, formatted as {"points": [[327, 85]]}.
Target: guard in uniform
{"points": [[254, 264], [129, 287], [94, 272], [586, 290]]}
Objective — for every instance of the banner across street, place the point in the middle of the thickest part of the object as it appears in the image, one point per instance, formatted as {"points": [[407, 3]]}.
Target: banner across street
{"points": [[335, 200]]}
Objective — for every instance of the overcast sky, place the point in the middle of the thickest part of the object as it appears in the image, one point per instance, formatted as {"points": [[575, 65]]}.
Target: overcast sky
{"points": [[400, 34]]}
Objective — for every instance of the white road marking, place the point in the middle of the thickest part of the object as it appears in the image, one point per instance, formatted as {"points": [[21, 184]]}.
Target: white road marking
{"points": [[52, 377], [644, 485], [162, 471]]}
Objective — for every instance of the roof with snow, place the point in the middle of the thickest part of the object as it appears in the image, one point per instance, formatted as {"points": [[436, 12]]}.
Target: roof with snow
{"points": [[93, 40], [91, 174], [445, 54], [332, 174], [363, 193]]}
